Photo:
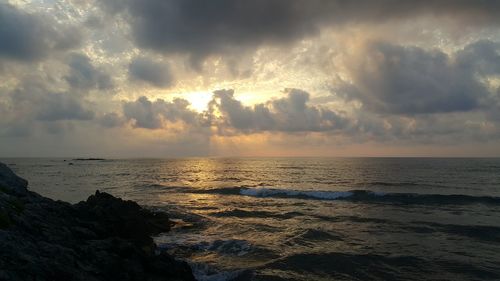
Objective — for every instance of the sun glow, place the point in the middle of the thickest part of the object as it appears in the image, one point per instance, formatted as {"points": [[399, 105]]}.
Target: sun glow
{"points": [[198, 100]]}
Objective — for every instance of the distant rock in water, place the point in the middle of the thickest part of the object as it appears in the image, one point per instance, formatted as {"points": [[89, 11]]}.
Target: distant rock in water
{"points": [[103, 238]]}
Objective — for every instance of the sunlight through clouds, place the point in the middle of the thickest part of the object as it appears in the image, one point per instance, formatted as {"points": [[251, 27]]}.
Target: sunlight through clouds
{"points": [[373, 64]]}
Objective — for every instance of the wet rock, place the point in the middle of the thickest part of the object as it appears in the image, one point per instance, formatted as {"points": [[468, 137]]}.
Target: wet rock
{"points": [[102, 238]]}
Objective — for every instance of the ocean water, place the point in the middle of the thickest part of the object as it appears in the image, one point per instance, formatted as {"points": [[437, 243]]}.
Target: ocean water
{"points": [[306, 218]]}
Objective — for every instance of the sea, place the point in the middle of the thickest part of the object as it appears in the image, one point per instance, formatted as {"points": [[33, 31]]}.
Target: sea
{"points": [[305, 218]]}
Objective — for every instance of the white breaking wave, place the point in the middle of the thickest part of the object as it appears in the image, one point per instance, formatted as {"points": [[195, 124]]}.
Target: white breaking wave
{"points": [[269, 192]]}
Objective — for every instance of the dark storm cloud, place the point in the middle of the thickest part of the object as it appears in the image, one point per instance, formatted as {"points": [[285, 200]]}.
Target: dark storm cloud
{"points": [[28, 37], [289, 114], [150, 115], [201, 28], [83, 75], [410, 80], [155, 73]]}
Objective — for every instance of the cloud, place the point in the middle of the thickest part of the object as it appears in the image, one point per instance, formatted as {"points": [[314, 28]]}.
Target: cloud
{"points": [[144, 113], [85, 76], [153, 114], [482, 58], [396, 79], [493, 109], [32, 105], [29, 37], [228, 117], [33, 99], [289, 114], [202, 28], [111, 120], [155, 73], [416, 82], [62, 106], [438, 129]]}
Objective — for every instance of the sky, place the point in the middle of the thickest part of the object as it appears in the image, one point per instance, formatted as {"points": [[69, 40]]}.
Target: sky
{"points": [[196, 78]]}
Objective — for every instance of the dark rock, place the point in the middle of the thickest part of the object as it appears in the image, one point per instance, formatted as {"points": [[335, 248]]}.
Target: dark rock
{"points": [[10, 182], [124, 219], [103, 238]]}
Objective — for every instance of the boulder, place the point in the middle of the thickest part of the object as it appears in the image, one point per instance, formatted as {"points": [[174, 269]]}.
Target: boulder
{"points": [[124, 219]]}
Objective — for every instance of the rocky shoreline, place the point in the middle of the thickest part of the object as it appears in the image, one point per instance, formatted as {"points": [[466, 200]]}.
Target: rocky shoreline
{"points": [[102, 238]]}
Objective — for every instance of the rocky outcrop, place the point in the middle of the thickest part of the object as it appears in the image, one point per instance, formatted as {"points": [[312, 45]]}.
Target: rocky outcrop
{"points": [[103, 238], [10, 182]]}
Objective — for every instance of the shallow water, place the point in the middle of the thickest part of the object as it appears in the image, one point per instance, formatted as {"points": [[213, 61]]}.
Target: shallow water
{"points": [[306, 218]]}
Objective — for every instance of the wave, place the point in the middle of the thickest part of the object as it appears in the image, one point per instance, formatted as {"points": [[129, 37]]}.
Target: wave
{"points": [[195, 243], [406, 184], [205, 272], [241, 213], [346, 266], [309, 237], [485, 233], [383, 183], [354, 196], [352, 266], [270, 192]]}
